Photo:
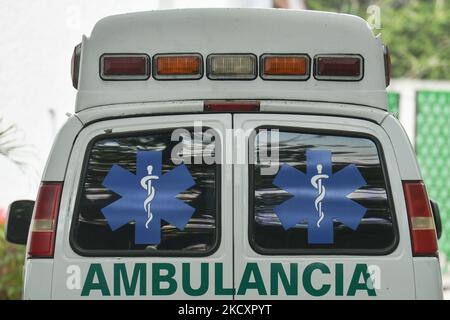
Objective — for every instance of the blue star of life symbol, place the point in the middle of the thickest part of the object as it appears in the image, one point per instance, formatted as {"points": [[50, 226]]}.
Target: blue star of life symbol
{"points": [[148, 197], [319, 196]]}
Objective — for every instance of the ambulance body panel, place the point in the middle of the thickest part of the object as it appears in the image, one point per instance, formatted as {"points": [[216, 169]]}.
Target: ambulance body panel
{"points": [[427, 288], [398, 283]]}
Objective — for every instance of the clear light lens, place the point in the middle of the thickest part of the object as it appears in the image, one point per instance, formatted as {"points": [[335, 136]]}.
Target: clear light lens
{"points": [[232, 66]]}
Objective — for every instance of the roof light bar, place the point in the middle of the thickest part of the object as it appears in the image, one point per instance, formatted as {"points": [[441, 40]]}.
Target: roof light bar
{"points": [[343, 67], [285, 67], [125, 67], [177, 66], [231, 66]]}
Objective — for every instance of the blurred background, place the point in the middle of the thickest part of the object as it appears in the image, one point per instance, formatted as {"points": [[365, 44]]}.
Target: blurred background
{"points": [[38, 37]]}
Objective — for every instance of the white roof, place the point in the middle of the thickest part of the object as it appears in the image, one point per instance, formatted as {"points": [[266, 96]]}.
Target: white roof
{"points": [[207, 31]]}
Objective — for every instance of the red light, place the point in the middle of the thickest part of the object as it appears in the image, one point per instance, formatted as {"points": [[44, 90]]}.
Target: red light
{"points": [[231, 106], [387, 65], [421, 222], [75, 65], [348, 67], [43, 226], [125, 67]]}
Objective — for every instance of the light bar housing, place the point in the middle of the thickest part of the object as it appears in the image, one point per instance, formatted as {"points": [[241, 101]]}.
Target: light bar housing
{"points": [[285, 67], [178, 66], [231, 67], [122, 67], [338, 67]]}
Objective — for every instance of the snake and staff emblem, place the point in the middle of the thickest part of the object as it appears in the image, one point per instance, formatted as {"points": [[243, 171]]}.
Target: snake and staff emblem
{"points": [[146, 183], [316, 182]]}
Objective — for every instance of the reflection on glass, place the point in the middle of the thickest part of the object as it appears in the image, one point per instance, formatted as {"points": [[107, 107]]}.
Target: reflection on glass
{"points": [[92, 231], [376, 230]]}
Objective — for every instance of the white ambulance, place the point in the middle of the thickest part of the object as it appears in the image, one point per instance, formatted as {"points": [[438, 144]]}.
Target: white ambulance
{"points": [[230, 154]]}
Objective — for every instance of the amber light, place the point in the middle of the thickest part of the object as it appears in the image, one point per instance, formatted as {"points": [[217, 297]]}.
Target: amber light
{"points": [[177, 66], [288, 66]]}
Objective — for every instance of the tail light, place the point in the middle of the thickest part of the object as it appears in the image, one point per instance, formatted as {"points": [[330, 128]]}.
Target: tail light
{"points": [[176, 66], [387, 65], [75, 65], [231, 66], [421, 222], [348, 67], [284, 67], [231, 106], [125, 67], [43, 225]]}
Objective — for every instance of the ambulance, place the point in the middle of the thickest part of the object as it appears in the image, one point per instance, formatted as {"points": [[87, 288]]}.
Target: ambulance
{"points": [[230, 154]]}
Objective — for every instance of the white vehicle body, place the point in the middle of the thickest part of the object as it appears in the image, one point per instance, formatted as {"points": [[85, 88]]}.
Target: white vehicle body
{"points": [[118, 107]]}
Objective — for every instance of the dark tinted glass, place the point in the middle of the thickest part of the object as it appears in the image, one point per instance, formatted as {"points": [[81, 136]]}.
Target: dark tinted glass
{"points": [[375, 231], [91, 230]]}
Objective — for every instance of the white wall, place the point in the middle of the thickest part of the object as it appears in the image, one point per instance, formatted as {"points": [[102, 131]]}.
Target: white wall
{"points": [[36, 43]]}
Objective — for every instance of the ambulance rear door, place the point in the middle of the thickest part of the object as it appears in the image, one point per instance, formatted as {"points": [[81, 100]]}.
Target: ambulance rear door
{"points": [[319, 211], [134, 223]]}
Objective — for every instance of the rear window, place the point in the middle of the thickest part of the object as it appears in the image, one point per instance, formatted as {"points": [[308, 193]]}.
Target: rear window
{"points": [[328, 194], [93, 234]]}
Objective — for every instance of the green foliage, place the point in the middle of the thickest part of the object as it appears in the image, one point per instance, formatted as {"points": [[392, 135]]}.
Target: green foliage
{"points": [[12, 256], [11, 265], [417, 33]]}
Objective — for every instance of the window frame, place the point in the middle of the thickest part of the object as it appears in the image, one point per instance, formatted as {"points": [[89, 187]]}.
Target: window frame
{"points": [[143, 253], [318, 251]]}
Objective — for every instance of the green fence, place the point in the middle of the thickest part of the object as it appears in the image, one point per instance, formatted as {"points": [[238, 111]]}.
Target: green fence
{"points": [[433, 150], [394, 103]]}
